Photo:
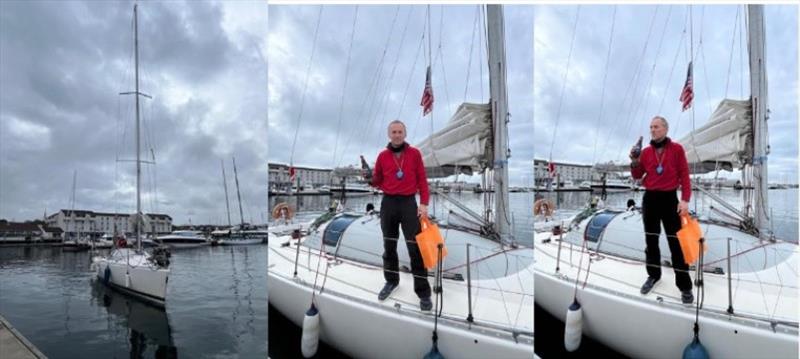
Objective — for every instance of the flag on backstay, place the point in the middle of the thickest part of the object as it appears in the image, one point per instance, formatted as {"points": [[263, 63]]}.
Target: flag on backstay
{"points": [[427, 94]]}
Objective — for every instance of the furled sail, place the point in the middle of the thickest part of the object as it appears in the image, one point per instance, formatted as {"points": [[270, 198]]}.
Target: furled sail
{"points": [[724, 142], [463, 146]]}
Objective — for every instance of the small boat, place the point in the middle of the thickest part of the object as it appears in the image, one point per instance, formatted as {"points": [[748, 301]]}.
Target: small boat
{"points": [[183, 239]]}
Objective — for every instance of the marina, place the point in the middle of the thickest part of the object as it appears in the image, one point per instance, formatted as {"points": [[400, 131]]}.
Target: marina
{"points": [[215, 307]]}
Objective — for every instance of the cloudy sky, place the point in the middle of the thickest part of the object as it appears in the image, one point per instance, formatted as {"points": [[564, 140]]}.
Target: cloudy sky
{"points": [[582, 135], [63, 65], [367, 108]]}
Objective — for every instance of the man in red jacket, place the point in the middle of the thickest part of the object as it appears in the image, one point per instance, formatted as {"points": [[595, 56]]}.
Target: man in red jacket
{"points": [[664, 168], [400, 173]]}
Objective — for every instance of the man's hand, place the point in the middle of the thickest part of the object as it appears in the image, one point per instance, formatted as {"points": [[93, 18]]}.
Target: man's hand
{"points": [[422, 210], [633, 156], [683, 208]]}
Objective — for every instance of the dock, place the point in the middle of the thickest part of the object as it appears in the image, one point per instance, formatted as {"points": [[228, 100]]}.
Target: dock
{"points": [[14, 346]]}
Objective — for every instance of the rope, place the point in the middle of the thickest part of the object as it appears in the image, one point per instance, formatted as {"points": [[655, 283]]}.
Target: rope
{"points": [[645, 95], [471, 46], [730, 59], [370, 90], [564, 81], [344, 87], [605, 76], [305, 86], [634, 105], [633, 82], [410, 76], [384, 102], [674, 62]]}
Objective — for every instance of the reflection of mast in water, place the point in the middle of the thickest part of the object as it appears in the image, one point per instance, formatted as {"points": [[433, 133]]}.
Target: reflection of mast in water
{"points": [[235, 288], [251, 313], [147, 326]]}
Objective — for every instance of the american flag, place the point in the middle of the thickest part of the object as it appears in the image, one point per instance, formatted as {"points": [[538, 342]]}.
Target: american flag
{"points": [[291, 174], [427, 94], [687, 94]]}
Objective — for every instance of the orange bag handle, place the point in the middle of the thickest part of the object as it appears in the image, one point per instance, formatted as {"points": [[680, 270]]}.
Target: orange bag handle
{"points": [[424, 222]]}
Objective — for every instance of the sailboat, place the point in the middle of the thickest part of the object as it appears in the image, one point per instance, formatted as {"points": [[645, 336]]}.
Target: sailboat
{"points": [[76, 243], [132, 270], [746, 284], [485, 309], [243, 233]]}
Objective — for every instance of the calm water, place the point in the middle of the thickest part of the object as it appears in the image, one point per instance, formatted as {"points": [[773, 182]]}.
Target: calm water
{"points": [[550, 331], [285, 336], [216, 306]]}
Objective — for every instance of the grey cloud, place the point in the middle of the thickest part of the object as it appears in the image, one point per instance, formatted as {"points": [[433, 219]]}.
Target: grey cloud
{"points": [[63, 64]]}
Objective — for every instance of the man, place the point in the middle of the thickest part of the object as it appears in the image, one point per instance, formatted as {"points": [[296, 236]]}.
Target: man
{"points": [[400, 173], [664, 168]]}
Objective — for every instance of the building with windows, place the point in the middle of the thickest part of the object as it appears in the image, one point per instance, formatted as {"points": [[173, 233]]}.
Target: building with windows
{"points": [[279, 179], [92, 223], [574, 172]]}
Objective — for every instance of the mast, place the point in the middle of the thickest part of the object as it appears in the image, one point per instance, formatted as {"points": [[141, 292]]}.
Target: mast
{"points": [[138, 140], [499, 103], [758, 98], [225, 184], [72, 205], [239, 195]]}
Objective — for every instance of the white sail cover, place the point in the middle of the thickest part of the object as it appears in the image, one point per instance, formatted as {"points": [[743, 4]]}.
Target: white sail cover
{"points": [[724, 141], [463, 146]]}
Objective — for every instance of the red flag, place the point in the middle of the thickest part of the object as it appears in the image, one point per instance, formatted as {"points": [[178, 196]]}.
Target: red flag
{"points": [[687, 95], [291, 174], [427, 94], [551, 169]]}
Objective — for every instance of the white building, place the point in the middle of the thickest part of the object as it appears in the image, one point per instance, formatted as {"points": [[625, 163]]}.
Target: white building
{"points": [[98, 223], [279, 176], [574, 172]]}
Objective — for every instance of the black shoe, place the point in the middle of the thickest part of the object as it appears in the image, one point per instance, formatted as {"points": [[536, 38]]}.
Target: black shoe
{"points": [[648, 285], [687, 297], [425, 304], [387, 290]]}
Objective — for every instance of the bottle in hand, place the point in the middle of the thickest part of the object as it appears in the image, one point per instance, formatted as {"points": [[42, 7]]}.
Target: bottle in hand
{"points": [[636, 151], [365, 169]]}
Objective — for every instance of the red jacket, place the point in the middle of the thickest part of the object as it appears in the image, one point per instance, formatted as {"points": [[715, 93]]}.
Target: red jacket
{"points": [[675, 174], [384, 176]]}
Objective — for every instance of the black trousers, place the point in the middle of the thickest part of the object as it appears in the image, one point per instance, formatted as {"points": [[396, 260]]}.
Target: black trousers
{"points": [[662, 207], [401, 211]]}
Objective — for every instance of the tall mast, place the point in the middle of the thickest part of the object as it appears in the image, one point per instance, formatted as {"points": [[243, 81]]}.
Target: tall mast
{"points": [[225, 184], [499, 103], [239, 195], [758, 98], [138, 159], [72, 204]]}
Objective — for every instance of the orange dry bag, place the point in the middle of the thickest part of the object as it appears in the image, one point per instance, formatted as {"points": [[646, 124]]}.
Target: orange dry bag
{"points": [[428, 241], [689, 236]]}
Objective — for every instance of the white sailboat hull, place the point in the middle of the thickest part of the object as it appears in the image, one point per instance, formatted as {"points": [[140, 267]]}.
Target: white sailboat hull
{"points": [[355, 322], [648, 329], [368, 331], [658, 325], [134, 277]]}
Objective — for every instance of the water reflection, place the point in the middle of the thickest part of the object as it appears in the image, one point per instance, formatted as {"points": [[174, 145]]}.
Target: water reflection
{"points": [[148, 327]]}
